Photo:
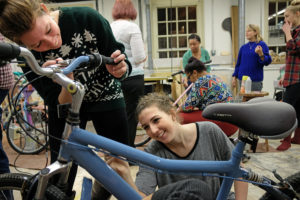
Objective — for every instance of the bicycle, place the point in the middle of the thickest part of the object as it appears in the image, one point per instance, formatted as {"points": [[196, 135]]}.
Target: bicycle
{"points": [[75, 144], [25, 124]]}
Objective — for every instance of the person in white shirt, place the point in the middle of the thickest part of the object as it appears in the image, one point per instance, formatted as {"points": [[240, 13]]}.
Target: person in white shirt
{"points": [[129, 34]]}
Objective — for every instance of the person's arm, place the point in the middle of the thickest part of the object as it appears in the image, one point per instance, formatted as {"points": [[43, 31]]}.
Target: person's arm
{"points": [[236, 69], [225, 148], [262, 51], [292, 45], [123, 169], [194, 98], [241, 190], [137, 47], [108, 46]]}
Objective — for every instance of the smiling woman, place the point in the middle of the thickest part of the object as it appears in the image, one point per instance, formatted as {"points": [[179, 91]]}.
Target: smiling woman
{"points": [[67, 33], [172, 140]]}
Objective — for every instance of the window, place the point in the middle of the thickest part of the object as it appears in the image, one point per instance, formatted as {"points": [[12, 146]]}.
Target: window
{"points": [[276, 37], [174, 25]]}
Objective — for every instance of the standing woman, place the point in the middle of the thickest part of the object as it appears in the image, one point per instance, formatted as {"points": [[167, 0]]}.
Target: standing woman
{"points": [[129, 34], [67, 33], [291, 78], [195, 51], [252, 58], [6, 82]]}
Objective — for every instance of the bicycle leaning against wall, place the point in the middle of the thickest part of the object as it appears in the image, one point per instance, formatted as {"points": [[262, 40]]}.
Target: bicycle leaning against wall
{"points": [[80, 145], [25, 121]]}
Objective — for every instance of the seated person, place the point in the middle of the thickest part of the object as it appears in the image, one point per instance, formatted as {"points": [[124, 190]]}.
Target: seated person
{"points": [[172, 140], [207, 89]]}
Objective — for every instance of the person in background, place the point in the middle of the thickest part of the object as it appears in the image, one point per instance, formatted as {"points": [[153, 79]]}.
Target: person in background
{"points": [[172, 140], [6, 82], [195, 51], [207, 89], [291, 78], [252, 58], [67, 33], [128, 33]]}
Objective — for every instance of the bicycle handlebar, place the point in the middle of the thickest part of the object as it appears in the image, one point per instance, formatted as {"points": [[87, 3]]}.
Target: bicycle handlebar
{"points": [[182, 72], [11, 51]]}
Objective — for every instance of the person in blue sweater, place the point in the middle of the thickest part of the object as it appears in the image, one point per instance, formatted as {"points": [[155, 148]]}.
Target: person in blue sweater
{"points": [[252, 58]]}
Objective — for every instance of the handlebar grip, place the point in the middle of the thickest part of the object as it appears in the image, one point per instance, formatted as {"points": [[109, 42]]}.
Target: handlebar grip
{"points": [[207, 62], [179, 72], [9, 51], [97, 59]]}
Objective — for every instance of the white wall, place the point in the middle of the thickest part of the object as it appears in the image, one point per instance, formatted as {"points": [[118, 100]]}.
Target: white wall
{"points": [[215, 11]]}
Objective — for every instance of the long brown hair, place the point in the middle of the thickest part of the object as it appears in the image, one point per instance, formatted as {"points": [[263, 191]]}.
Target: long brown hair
{"points": [[18, 17]]}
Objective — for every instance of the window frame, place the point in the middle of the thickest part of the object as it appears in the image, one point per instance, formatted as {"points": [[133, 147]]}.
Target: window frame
{"points": [[267, 32], [156, 4]]}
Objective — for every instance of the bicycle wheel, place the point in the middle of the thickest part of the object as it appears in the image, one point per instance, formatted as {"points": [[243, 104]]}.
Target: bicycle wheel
{"points": [[294, 181], [20, 140], [20, 184]]}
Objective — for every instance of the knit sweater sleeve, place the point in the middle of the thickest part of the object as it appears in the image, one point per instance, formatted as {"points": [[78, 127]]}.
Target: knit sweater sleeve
{"points": [[238, 62], [267, 58]]}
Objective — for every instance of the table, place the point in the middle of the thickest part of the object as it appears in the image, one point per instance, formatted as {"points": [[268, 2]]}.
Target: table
{"points": [[253, 94], [157, 81], [247, 97]]}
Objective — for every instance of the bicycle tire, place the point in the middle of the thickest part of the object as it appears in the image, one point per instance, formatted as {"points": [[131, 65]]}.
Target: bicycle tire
{"points": [[19, 140], [22, 183], [294, 181]]}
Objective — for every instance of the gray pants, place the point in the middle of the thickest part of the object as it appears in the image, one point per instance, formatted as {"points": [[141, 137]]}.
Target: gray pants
{"points": [[256, 86]]}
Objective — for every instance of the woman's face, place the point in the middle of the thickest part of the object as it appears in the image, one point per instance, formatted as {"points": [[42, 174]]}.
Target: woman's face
{"points": [[250, 34], [292, 18], [44, 35], [158, 124], [194, 45], [193, 77]]}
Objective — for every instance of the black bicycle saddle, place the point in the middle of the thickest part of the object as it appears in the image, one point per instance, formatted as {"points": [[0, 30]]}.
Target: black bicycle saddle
{"points": [[266, 118]]}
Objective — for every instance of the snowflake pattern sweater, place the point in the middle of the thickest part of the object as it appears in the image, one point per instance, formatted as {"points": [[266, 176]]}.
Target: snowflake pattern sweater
{"points": [[84, 31]]}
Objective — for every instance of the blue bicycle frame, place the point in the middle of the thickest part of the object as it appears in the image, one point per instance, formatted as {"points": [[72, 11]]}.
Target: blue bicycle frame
{"points": [[76, 149]]}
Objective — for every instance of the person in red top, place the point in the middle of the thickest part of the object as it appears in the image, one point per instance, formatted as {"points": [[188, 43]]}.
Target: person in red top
{"points": [[291, 78]]}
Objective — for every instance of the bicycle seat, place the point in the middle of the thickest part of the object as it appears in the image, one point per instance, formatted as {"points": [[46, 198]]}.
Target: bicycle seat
{"points": [[267, 119]]}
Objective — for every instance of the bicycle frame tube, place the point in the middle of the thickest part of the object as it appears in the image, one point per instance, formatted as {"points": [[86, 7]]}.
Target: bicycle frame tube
{"points": [[118, 187]]}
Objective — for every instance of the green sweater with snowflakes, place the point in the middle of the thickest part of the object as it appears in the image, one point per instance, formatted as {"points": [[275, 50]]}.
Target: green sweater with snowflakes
{"points": [[84, 31]]}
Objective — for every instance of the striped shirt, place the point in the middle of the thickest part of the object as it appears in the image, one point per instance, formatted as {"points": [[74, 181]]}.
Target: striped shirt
{"points": [[292, 67], [6, 74]]}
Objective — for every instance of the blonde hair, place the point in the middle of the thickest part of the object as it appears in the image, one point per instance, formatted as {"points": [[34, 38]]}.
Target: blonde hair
{"points": [[18, 17], [294, 6], [256, 29]]}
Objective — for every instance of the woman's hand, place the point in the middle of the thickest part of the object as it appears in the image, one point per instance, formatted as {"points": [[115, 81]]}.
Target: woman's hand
{"points": [[259, 50], [120, 69], [185, 82], [233, 82], [64, 95], [120, 166], [281, 81], [55, 62], [286, 28]]}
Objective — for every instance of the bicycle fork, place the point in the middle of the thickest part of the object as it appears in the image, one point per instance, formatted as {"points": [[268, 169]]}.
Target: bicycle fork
{"points": [[48, 172]]}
